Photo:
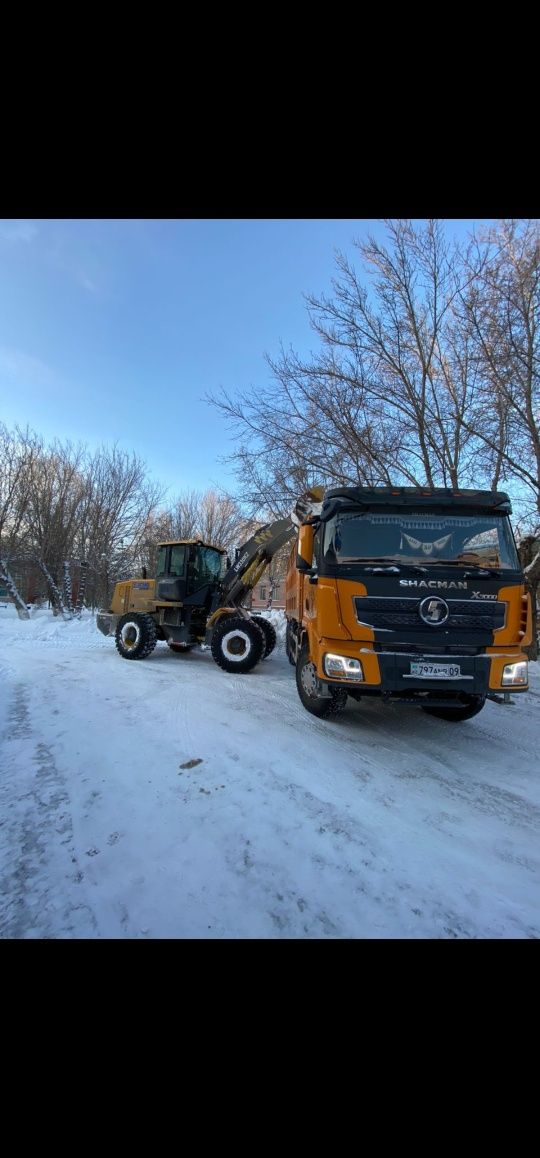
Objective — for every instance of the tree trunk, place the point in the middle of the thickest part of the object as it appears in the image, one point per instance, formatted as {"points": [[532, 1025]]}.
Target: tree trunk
{"points": [[55, 591], [68, 592], [22, 610], [81, 591]]}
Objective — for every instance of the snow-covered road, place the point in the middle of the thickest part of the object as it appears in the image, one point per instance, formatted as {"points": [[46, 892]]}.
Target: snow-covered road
{"points": [[165, 798]]}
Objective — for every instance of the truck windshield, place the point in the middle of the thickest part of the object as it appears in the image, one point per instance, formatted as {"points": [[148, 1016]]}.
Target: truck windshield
{"points": [[422, 538]]}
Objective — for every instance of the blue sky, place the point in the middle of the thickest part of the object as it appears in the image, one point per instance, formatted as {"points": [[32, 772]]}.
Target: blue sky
{"points": [[114, 330]]}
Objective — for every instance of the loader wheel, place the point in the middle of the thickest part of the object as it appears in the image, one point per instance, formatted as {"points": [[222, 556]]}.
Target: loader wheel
{"points": [[306, 682], [269, 633], [463, 712], [135, 636], [237, 644]]}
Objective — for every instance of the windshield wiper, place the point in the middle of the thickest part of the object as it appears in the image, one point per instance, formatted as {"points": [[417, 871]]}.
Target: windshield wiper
{"points": [[385, 566], [472, 568], [390, 569], [482, 572]]}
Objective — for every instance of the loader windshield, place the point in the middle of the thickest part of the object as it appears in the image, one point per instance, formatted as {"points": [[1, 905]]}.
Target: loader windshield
{"points": [[420, 537], [204, 567]]}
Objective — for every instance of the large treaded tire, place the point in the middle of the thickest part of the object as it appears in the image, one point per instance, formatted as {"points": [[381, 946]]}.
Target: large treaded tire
{"points": [[237, 644], [289, 632], [466, 712], [135, 636], [289, 635], [306, 675], [269, 633]]}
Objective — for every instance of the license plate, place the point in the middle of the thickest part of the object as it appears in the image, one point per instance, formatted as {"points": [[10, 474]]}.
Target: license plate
{"points": [[440, 671]]}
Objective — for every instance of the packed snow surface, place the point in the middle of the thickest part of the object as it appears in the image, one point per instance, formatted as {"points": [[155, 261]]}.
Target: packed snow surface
{"points": [[165, 798]]}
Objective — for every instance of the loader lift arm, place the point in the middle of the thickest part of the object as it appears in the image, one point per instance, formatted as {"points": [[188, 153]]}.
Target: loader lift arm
{"points": [[255, 555], [253, 559]]}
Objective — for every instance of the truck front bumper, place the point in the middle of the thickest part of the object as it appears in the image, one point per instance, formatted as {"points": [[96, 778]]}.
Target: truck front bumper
{"points": [[394, 673]]}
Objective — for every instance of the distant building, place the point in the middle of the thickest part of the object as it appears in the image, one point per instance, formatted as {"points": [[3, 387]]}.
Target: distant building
{"points": [[28, 581], [263, 595], [270, 590]]}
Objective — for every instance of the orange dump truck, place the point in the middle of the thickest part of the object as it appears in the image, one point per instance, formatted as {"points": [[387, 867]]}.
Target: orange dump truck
{"points": [[413, 595]]}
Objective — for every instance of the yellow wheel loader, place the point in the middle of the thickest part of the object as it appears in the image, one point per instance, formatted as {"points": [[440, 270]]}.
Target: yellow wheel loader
{"points": [[196, 598]]}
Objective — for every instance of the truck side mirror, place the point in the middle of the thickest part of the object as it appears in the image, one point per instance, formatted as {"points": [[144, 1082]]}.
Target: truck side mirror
{"points": [[304, 557]]}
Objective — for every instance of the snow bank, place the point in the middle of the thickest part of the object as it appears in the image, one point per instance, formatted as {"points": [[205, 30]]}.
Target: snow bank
{"points": [[45, 628]]}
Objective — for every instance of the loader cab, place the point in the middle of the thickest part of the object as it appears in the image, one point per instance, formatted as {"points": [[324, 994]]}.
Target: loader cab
{"points": [[187, 571]]}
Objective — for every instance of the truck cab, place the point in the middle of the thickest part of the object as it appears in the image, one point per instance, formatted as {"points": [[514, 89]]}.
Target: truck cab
{"points": [[413, 595]]}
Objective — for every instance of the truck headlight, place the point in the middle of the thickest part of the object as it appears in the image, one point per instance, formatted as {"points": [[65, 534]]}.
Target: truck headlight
{"points": [[515, 673], [341, 665]]}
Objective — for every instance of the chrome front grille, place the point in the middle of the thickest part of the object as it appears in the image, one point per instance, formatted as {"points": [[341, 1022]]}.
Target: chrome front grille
{"points": [[394, 614]]}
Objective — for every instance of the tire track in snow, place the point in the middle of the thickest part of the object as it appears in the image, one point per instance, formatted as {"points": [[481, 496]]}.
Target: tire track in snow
{"points": [[36, 828], [490, 799]]}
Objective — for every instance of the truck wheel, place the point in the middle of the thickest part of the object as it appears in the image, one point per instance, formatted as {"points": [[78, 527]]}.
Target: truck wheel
{"points": [[135, 636], [269, 633], [306, 682], [288, 647], [237, 644], [464, 712]]}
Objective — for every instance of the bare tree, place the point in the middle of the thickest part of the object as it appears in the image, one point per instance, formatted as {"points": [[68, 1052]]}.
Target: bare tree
{"points": [[117, 504], [386, 397], [56, 493], [214, 518], [158, 528], [501, 306], [16, 451], [62, 505]]}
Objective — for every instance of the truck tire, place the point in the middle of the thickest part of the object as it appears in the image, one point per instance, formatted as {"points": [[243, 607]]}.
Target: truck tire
{"points": [[306, 682], [464, 712], [135, 636], [289, 635], [269, 633], [237, 644]]}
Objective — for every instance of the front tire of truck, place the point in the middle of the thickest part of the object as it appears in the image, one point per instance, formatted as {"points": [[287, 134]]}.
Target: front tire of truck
{"points": [[135, 636], [269, 632], [237, 644], [306, 682], [464, 712]]}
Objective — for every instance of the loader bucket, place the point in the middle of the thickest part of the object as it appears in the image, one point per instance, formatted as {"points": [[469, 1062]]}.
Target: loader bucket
{"points": [[106, 622], [308, 505]]}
